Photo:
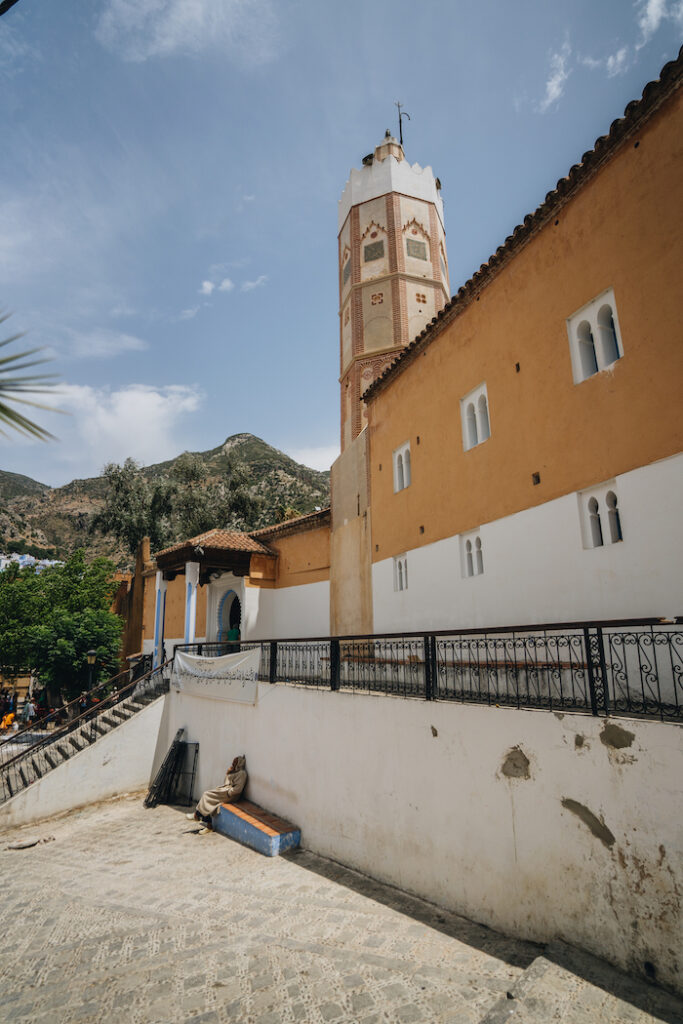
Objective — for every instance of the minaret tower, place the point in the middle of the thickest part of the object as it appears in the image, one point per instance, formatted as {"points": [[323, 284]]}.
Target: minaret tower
{"points": [[393, 269]]}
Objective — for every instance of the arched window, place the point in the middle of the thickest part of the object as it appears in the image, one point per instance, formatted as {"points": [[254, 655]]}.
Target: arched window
{"points": [[478, 556], [589, 363], [401, 461], [400, 572], [614, 520], [472, 436], [400, 479], [406, 467], [483, 418], [474, 417], [468, 558], [594, 521], [608, 335]]}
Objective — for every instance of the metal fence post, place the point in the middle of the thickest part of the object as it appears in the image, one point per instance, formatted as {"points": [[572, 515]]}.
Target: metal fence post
{"points": [[335, 663], [272, 668], [597, 670], [429, 669]]}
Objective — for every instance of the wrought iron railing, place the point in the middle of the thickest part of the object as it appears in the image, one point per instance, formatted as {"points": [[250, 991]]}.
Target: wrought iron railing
{"points": [[113, 705], [632, 667], [46, 720]]}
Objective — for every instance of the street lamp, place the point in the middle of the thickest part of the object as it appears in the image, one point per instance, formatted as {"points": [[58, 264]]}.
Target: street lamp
{"points": [[91, 656]]}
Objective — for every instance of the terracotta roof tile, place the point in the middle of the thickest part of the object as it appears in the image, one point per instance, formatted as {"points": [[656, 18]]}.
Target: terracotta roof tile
{"points": [[310, 521], [635, 115], [224, 540]]}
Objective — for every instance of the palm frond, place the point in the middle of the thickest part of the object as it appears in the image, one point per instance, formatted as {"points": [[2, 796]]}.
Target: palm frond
{"points": [[13, 382]]}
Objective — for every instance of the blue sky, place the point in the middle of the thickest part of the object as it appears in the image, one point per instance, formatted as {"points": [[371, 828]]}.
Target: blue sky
{"points": [[170, 178]]}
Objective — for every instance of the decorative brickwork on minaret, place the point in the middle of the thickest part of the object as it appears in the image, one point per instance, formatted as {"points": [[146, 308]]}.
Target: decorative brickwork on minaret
{"points": [[391, 279]]}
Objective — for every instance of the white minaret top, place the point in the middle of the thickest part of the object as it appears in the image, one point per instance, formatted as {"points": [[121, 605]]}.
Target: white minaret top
{"points": [[387, 170]]}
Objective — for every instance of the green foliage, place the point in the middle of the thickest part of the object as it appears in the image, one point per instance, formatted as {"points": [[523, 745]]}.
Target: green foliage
{"points": [[183, 504], [49, 620], [135, 507], [22, 547]]}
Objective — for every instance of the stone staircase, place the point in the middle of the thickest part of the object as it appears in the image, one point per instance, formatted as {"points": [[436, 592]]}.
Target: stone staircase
{"points": [[29, 756]]}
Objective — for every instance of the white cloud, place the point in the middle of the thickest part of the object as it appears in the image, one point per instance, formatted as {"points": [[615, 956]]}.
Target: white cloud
{"points": [[189, 314], [249, 286], [652, 13], [559, 73], [206, 288], [616, 64], [320, 457], [226, 285], [101, 343], [246, 30], [108, 425]]}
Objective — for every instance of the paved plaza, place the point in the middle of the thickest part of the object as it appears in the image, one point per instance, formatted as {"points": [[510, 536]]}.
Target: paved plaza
{"points": [[129, 915]]}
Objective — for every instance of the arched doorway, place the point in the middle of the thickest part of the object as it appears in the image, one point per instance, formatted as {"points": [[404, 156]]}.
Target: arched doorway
{"points": [[229, 614]]}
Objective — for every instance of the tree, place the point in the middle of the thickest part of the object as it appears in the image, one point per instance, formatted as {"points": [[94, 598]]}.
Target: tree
{"points": [[13, 384], [49, 620], [167, 509], [135, 508]]}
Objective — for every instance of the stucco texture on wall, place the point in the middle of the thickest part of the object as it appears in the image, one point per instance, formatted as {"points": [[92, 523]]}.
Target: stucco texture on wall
{"points": [[535, 823], [621, 230], [302, 557], [120, 762]]}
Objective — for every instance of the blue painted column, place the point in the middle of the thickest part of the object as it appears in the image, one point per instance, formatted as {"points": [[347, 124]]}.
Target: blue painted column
{"points": [[191, 584], [159, 619]]}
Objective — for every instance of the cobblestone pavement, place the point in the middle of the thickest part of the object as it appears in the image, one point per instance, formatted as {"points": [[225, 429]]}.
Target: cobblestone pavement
{"points": [[130, 915]]}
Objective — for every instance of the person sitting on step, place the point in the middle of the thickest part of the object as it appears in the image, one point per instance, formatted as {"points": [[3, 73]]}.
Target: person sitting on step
{"points": [[231, 790]]}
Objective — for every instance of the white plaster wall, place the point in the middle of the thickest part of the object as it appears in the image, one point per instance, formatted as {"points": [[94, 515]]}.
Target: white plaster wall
{"points": [[537, 570], [289, 611], [413, 793], [389, 175], [120, 762]]}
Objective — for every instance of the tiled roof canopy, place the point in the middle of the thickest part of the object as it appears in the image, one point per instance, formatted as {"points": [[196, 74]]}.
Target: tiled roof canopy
{"points": [[217, 540], [635, 115]]}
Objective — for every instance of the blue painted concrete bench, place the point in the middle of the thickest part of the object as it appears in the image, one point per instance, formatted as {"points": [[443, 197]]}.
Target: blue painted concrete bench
{"points": [[250, 825]]}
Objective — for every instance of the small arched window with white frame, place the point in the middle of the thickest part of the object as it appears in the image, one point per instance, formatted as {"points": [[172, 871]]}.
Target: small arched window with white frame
{"points": [[474, 414], [401, 461], [600, 515], [594, 337], [471, 554], [400, 572]]}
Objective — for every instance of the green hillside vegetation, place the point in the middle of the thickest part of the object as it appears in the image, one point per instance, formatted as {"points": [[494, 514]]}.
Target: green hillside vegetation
{"points": [[14, 485], [60, 519]]}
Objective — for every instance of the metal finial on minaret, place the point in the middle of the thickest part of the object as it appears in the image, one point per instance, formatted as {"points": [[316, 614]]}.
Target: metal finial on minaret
{"points": [[401, 115]]}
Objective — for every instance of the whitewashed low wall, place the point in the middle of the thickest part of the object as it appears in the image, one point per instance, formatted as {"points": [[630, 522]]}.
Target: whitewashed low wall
{"points": [[120, 762], [538, 824], [537, 570]]}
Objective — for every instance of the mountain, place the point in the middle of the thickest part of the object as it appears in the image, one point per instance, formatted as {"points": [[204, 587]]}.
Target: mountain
{"points": [[14, 485], [56, 521]]}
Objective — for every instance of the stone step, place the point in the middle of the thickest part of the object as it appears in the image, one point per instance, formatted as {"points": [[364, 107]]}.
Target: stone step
{"points": [[120, 713], [37, 768], [75, 743], [574, 987], [134, 705]]}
